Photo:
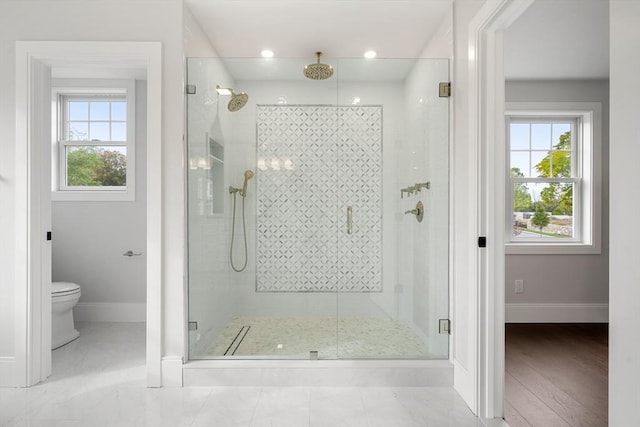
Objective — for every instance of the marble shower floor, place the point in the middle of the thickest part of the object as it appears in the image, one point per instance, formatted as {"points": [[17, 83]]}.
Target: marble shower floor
{"points": [[295, 337], [99, 381]]}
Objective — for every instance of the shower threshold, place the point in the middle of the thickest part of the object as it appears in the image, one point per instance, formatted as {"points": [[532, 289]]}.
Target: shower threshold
{"points": [[318, 373]]}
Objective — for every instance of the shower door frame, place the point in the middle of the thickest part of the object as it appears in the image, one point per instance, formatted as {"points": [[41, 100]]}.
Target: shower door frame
{"points": [[446, 123]]}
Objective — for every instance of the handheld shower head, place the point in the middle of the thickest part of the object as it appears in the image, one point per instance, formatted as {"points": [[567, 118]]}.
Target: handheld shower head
{"points": [[248, 174]]}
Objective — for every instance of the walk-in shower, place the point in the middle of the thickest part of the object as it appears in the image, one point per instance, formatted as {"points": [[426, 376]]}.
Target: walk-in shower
{"points": [[333, 264]]}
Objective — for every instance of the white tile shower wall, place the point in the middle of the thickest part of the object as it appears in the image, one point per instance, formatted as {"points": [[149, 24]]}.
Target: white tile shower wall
{"points": [[313, 162], [242, 155]]}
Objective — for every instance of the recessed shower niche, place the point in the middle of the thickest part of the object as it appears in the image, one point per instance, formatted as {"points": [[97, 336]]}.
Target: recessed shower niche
{"points": [[335, 269], [206, 176]]}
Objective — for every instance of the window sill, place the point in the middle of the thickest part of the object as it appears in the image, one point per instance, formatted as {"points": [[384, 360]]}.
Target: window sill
{"points": [[93, 196], [552, 249]]}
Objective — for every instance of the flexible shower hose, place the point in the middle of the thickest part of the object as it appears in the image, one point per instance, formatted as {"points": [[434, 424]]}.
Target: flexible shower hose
{"points": [[233, 235]]}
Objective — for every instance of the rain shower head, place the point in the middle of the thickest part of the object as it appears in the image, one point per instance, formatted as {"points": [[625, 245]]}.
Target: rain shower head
{"points": [[237, 101], [318, 71]]}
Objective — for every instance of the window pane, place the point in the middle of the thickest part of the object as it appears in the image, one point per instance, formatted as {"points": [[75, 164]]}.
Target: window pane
{"points": [[519, 137], [539, 166], [118, 131], [552, 164], [541, 136], [78, 131], [78, 110], [561, 164], [96, 166], [560, 129], [99, 131], [99, 111], [520, 162], [542, 211], [119, 111]]}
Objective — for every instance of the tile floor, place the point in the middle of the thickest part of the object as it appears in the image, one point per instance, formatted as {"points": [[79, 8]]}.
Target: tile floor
{"points": [[98, 380], [345, 337]]}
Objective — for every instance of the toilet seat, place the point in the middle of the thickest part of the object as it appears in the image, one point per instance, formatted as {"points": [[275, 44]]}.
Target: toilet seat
{"points": [[60, 289]]}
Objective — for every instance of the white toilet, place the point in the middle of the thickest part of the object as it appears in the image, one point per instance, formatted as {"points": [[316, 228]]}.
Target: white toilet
{"points": [[64, 296]]}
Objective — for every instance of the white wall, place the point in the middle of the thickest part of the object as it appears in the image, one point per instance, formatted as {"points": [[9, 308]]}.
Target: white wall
{"points": [[463, 251], [624, 274], [99, 20], [563, 279], [90, 237]]}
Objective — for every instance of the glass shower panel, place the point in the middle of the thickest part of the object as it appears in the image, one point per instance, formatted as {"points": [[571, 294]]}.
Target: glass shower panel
{"points": [[211, 301], [399, 317], [275, 308]]}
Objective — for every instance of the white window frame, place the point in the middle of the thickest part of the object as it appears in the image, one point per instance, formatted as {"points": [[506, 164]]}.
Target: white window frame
{"points": [[65, 89], [586, 164]]}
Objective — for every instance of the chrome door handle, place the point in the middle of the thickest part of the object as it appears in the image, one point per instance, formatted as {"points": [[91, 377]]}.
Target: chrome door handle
{"points": [[349, 219], [131, 253]]}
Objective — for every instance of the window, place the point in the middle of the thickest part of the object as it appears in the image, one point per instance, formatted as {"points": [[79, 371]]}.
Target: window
{"points": [[552, 178], [95, 155]]}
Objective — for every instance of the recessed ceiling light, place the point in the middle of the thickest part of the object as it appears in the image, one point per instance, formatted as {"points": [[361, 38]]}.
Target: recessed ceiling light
{"points": [[266, 53], [370, 54]]}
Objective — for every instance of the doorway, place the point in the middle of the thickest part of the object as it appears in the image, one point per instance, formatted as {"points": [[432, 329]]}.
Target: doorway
{"points": [[553, 289], [33, 163]]}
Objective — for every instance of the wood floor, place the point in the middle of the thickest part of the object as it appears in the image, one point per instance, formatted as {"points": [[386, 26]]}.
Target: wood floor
{"points": [[556, 375]]}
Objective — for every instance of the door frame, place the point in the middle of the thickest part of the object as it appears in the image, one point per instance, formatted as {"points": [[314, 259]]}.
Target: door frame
{"points": [[34, 60], [487, 142]]}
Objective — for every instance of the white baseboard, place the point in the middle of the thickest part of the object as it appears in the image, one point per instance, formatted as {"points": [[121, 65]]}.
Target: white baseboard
{"points": [[172, 371], [557, 313], [109, 312]]}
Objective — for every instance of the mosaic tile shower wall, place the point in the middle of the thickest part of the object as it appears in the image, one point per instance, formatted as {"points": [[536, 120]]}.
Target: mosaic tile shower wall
{"points": [[314, 162]]}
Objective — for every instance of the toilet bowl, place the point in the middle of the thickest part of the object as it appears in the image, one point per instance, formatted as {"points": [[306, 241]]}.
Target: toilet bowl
{"points": [[64, 296]]}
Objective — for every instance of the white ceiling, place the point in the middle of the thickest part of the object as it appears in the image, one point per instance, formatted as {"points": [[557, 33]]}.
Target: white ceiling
{"points": [[559, 39], [339, 28], [553, 39]]}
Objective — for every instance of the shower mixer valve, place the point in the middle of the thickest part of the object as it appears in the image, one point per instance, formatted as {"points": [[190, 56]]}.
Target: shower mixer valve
{"points": [[414, 188]]}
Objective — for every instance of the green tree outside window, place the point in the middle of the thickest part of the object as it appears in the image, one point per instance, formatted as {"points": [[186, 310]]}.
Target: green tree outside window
{"points": [[96, 167], [557, 197]]}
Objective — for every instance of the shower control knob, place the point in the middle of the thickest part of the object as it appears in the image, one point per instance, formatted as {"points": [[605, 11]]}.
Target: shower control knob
{"points": [[418, 211]]}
